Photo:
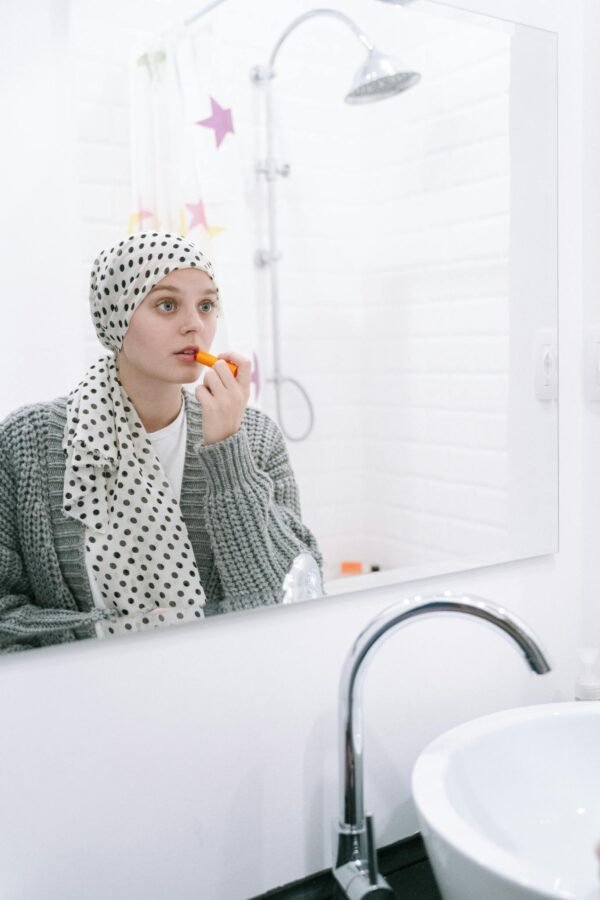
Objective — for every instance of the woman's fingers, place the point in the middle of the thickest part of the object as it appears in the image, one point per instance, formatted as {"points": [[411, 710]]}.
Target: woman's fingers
{"points": [[242, 362], [203, 394], [219, 377], [216, 380], [223, 397]]}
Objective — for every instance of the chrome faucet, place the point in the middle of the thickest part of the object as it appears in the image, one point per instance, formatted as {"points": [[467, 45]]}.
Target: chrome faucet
{"points": [[355, 868]]}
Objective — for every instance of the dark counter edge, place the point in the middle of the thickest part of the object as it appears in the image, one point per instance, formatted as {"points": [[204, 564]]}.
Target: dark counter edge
{"points": [[391, 859]]}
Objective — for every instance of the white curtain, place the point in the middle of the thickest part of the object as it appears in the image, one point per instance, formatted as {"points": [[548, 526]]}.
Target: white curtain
{"points": [[188, 172]]}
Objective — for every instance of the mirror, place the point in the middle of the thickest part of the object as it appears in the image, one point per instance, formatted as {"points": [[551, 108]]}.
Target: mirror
{"points": [[411, 360]]}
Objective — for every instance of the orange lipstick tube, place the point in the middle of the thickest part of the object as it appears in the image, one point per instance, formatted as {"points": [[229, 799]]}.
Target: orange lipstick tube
{"points": [[207, 359]]}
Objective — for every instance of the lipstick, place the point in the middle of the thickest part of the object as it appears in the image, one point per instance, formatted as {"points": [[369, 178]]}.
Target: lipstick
{"points": [[207, 359]]}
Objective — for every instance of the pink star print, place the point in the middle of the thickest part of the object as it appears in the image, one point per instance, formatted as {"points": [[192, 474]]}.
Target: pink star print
{"points": [[198, 214], [220, 120], [255, 377], [144, 214]]}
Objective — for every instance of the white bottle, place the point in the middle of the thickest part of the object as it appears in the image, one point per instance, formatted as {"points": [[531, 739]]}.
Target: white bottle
{"points": [[587, 684]]}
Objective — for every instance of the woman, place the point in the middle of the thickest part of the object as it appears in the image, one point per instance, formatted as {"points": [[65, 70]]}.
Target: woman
{"points": [[130, 505]]}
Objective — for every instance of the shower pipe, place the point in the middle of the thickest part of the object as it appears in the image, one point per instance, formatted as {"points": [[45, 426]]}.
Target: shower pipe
{"points": [[270, 169]]}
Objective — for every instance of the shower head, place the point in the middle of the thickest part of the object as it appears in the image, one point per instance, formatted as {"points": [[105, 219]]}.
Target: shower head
{"points": [[379, 77]]}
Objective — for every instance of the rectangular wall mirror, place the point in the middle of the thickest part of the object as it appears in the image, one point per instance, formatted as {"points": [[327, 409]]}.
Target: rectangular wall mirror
{"points": [[390, 266]]}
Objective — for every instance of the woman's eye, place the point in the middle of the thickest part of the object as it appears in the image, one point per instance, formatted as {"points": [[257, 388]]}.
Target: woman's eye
{"points": [[167, 306]]}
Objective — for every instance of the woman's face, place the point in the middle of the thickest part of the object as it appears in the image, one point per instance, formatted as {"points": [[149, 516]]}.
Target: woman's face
{"points": [[176, 318]]}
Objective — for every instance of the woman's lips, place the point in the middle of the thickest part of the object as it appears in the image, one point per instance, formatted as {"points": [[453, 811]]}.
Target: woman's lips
{"points": [[188, 356]]}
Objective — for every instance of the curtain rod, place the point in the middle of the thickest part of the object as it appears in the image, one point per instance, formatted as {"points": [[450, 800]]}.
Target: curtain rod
{"points": [[203, 11]]}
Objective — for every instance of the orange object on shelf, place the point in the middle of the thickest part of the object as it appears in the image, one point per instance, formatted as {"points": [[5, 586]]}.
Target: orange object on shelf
{"points": [[351, 567], [207, 359]]}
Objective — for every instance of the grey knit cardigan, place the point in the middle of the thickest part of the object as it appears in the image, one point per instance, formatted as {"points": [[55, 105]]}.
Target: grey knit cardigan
{"points": [[239, 500]]}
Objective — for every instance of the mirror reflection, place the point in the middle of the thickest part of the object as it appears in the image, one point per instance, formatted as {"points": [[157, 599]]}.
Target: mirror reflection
{"points": [[343, 204]]}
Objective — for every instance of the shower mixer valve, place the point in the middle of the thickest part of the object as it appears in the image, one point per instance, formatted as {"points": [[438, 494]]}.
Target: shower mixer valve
{"points": [[271, 169], [264, 258]]}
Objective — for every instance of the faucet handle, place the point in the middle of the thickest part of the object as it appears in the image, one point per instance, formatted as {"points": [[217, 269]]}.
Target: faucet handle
{"points": [[353, 884], [359, 878], [371, 849]]}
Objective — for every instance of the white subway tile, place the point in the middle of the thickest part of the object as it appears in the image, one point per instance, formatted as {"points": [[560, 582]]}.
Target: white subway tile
{"points": [[94, 122], [101, 82], [104, 164], [96, 202]]}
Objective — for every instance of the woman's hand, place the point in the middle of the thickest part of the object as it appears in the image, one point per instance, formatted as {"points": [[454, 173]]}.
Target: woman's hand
{"points": [[223, 397]]}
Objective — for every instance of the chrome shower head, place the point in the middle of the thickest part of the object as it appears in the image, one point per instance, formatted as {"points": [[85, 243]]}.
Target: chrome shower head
{"points": [[378, 78]]}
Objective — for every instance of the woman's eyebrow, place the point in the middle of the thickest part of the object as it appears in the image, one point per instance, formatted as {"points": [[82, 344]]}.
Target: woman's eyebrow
{"points": [[175, 290]]}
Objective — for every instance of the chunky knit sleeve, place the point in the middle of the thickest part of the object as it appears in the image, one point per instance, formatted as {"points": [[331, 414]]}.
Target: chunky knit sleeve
{"points": [[253, 513], [26, 618]]}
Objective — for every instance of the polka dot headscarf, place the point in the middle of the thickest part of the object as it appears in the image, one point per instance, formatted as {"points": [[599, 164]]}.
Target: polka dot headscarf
{"points": [[123, 275], [136, 540]]}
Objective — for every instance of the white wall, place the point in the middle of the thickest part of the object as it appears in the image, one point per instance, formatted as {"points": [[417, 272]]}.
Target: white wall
{"points": [[202, 761], [40, 338]]}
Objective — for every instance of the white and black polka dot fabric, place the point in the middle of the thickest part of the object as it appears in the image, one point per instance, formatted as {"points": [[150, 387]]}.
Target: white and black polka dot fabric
{"points": [[122, 276], [136, 540]]}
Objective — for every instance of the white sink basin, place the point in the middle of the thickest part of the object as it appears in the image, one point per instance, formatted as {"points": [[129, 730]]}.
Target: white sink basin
{"points": [[509, 804]]}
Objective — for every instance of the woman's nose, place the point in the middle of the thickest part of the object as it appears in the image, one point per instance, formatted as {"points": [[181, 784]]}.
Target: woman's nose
{"points": [[193, 322]]}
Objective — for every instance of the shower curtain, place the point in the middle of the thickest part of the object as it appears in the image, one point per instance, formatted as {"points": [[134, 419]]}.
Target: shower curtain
{"points": [[188, 172]]}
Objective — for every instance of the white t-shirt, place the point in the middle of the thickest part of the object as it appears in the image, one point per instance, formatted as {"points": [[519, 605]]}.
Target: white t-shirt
{"points": [[169, 445]]}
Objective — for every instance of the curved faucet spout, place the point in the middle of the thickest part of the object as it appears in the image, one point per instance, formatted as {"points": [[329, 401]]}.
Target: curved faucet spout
{"points": [[352, 828]]}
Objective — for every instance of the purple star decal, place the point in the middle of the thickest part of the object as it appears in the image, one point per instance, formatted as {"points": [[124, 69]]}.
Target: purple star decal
{"points": [[198, 215], [220, 120], [255, 377]]}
